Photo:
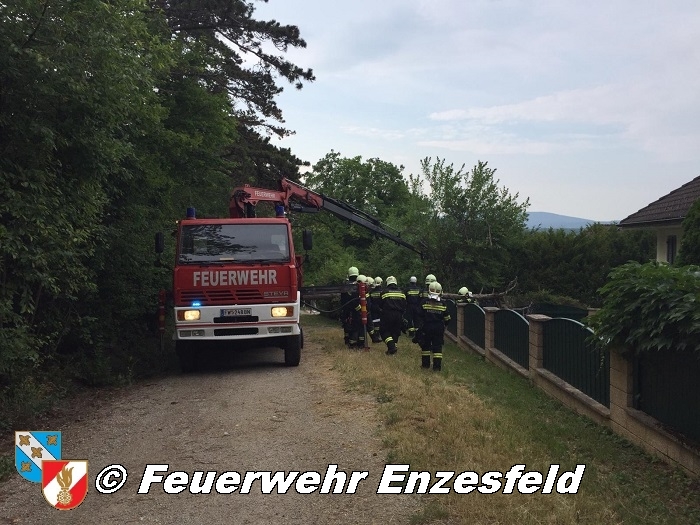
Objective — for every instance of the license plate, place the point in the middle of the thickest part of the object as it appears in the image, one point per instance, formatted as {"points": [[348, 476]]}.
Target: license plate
{"points": [[236, 312]]}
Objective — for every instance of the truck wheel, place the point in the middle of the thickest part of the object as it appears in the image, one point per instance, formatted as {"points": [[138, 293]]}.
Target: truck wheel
{"points": [[187, 356], [292, 350]]}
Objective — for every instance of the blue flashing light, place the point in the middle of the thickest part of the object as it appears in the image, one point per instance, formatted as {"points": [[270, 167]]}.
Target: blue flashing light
{"points": [[190, 213], [279, 210], [196, 303]]}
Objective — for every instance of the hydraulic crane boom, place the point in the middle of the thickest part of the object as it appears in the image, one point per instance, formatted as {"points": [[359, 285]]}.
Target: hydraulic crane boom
{"points": [[243, 201]]}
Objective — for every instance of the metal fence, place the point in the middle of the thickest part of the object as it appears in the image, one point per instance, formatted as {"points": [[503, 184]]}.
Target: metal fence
{"points": [[512, 336], [452, 310], [475, 324], [666, 384], [569, 355], [667, 387]]}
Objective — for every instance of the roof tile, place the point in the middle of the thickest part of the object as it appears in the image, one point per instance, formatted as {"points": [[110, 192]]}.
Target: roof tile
{"points": [[671, 208]]}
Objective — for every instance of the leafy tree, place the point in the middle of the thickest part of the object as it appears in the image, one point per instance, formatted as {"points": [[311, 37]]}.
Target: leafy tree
{"points": [[470, 225], [76, 93], [230, 52], [114, 116], [372, 187], [375, 186], [690, 243]]}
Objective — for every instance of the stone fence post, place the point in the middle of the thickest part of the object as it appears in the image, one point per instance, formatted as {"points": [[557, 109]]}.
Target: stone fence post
{"points": [[489, 329], [536, 341], [460, 321]]}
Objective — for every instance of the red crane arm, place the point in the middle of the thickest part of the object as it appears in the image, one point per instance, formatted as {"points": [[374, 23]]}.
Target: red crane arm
{"points": [[244, 199]]}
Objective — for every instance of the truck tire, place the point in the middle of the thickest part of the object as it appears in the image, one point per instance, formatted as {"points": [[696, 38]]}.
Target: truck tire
{"points": [[292, 350], [187, 356]]}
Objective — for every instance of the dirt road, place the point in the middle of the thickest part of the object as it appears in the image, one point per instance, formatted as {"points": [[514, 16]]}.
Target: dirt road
{"points": [[253, 414]]}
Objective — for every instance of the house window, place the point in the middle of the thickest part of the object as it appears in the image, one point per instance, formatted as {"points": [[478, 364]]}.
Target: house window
{"points": [[671, 249]]}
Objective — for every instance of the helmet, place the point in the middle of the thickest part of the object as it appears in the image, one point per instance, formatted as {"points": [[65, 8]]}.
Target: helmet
{"points": [[370, 281], [413, 279], [430, 278], [435, 289], [378, 281], [361, 279], [463, 290], [353, 271], [390, 280]]}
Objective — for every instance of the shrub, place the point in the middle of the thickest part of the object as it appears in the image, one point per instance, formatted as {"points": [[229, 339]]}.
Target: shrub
{"points": [[650, 307]]}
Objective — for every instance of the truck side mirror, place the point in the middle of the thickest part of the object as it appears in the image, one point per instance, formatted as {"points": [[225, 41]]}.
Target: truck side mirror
{"points": [[160, 242], [307, 240]]}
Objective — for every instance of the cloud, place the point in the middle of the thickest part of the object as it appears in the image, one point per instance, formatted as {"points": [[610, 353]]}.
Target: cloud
{"points": [[639, 113]]}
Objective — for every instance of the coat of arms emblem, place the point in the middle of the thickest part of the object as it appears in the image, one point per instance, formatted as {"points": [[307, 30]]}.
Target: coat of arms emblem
{"points": [[32, 447], [64, 483]]}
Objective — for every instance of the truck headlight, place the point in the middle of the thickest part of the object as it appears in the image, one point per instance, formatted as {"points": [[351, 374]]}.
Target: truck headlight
{"points": [[282, 311], [188, 315]]}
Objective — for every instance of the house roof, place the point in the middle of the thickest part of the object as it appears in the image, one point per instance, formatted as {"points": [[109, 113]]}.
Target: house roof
{"points": [[670, 209]]}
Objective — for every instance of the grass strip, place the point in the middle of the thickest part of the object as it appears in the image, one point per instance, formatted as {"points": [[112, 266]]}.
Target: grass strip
{"points": [[474, 416]]}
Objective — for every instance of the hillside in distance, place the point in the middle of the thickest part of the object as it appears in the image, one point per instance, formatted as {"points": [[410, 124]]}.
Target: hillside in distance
{"points": [[545, 220]]}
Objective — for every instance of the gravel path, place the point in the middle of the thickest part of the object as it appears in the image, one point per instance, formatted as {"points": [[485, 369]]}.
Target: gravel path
{"points": [[253, 414]]}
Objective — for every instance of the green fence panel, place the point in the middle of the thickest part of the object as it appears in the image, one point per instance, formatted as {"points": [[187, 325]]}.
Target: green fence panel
{"points": [[512, 336], [667, 387], [452, 310], [475, 324], [568, 354]]}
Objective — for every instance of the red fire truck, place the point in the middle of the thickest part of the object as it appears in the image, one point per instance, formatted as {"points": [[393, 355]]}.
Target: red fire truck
{"points": [[239, 279]]}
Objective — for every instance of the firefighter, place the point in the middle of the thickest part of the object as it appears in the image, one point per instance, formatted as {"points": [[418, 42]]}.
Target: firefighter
{"points": [[347, 303], [430, 278], [393, 307], [435, 319], [357, 328], [423, 297], [466, 296], [375, 310], [368, 297], [413, 305]]}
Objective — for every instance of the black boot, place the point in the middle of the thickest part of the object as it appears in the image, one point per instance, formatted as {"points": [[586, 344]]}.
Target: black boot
{"points": [[437, 364], [391, 347], [425, 360]]}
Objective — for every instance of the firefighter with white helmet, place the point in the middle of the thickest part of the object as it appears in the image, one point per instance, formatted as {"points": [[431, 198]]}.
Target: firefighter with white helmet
{"points": [[375, 310], [435, 319], [393, 306], [413, 301], [372, 330], [430, 278]]}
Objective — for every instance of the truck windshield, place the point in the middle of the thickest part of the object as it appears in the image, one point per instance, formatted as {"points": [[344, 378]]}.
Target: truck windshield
{"points": [[220, 243]]}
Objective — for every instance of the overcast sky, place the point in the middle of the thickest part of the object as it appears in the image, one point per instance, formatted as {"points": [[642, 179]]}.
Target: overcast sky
{"points": [[589, 109]]}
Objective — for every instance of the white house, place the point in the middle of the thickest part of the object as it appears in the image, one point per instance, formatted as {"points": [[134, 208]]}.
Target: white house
{"points": [[666, 215]]}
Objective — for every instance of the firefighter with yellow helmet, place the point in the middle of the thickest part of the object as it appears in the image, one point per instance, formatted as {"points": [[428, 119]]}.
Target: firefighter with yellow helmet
{"points": [[393, 306], [357, 329], [347, 304], [466, 296], [435, 318]]}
